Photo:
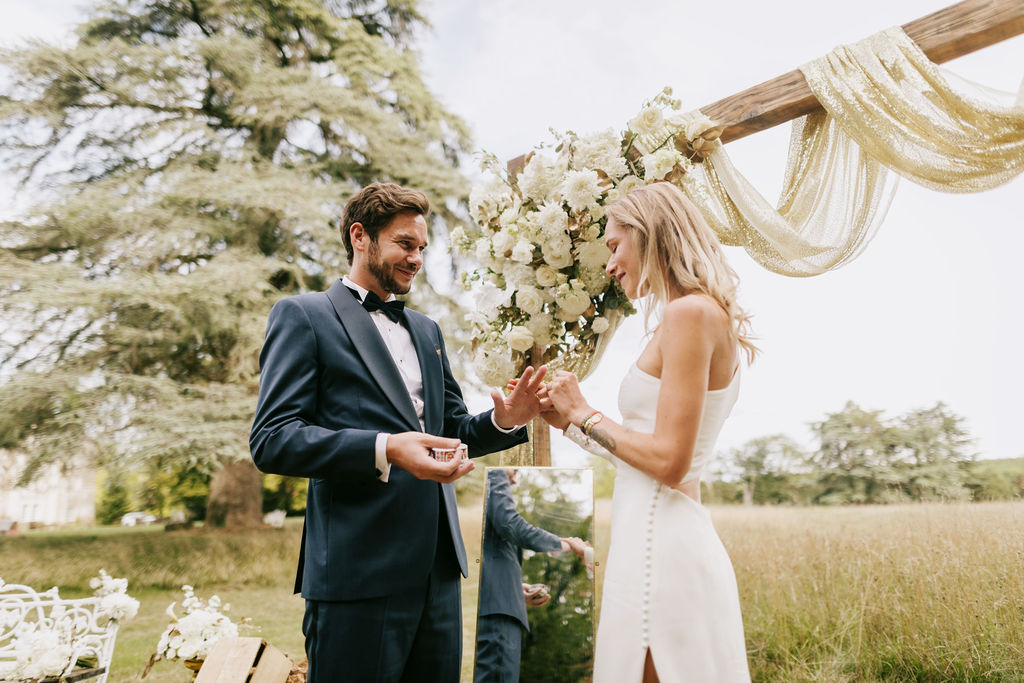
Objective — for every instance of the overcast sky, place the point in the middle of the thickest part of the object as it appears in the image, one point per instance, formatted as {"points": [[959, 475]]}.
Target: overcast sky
{"points": [[930, 312]]}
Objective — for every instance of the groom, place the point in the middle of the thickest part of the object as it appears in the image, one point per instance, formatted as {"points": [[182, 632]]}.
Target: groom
{"points": [[354, 393]]}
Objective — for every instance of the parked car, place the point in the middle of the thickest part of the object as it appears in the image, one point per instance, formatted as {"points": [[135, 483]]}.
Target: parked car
{"points": [[136, 518]]}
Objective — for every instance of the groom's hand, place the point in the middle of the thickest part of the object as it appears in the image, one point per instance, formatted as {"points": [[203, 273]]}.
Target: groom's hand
{"points": [[522, 404], [411, 452]]}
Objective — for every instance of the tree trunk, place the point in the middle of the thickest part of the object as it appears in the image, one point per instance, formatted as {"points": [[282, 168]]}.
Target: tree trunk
{"points": [[236, 496], [748, 493]]}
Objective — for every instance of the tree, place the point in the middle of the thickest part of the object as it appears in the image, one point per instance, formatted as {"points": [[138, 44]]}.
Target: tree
{"points": [[764, 466], [188, 157]]}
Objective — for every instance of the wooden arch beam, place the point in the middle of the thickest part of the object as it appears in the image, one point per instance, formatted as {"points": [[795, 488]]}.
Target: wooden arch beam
{"points": [[944, 35]]}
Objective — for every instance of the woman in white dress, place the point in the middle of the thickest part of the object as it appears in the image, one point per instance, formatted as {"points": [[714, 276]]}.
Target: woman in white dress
{"points": [[670, 608]]}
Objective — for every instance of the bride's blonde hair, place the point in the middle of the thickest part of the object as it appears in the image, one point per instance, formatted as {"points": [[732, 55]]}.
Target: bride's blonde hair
{"points": [[679, 252]]}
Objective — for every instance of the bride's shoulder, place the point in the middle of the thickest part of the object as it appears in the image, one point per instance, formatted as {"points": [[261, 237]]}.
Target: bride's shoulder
{"points": [[692, 310]]}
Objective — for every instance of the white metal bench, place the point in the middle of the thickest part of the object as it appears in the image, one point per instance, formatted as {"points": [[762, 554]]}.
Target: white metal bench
{"points": [[44, 632]]}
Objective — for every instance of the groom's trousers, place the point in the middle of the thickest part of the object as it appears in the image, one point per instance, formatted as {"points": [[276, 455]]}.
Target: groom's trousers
{"points": [[414, 636]]}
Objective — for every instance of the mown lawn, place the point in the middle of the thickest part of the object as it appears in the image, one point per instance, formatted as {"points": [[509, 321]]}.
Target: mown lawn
{"points": [[923, 592]]}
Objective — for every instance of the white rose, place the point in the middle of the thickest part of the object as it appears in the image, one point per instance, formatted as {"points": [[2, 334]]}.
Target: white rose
{"points": [[558, 252], [546, 276], [502, 243], [529, 300], [658, 164], [696, 123], [520, 339], [581, 189], [600, 325], [572, 299], [522, 252], [648, 122]]}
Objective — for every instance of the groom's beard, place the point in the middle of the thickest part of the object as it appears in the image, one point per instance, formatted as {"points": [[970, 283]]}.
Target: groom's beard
{"points": [[383, 272]]}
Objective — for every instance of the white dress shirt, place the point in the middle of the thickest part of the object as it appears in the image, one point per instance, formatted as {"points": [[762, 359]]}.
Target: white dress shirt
{"points": [[399, 344]]}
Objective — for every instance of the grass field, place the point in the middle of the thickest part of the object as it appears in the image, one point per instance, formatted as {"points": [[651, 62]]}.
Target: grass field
{"points": [[899, 593]]}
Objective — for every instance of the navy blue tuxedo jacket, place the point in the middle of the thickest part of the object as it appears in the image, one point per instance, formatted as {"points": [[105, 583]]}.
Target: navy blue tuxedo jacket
{"points": [[506, 533], [328, 386]]}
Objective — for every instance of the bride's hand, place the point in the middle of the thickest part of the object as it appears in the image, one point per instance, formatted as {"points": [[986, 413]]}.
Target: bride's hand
{"points": [[547, 409], [566, 397]]}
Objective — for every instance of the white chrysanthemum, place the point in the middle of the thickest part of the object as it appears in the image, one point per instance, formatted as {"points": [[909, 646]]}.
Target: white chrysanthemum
{"points": [[592, 255], [489, 198], [581, 189], [625, 186], [529, 300], [520, 339], [600, 325], [601, 151], [658, 164], [551, 219], [493, 365], [522, 252], [540, 179], [557, 251]]}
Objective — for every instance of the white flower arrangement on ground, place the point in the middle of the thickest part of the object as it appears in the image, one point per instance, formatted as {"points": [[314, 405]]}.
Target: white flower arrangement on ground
{"points": [[193, 635], [538, 235], [50, 646]]}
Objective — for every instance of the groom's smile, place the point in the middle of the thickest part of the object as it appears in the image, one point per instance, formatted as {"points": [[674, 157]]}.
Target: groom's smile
{"points": [[394, 258]]}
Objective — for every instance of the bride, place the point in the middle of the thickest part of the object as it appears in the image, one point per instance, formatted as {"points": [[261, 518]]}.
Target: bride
{"points": [[670, 610]]}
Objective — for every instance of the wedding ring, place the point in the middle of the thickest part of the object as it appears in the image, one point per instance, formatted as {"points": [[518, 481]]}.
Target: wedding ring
{"points": [[448, 454]]}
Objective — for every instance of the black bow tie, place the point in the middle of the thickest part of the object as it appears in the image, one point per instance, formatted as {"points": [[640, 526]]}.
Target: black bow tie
{"points": [[392, 309]]}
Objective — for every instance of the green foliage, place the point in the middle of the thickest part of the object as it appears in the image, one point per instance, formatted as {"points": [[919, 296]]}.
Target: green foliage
{"points": [[284, 493], [188, 160], [115, 501], [996, 479]]}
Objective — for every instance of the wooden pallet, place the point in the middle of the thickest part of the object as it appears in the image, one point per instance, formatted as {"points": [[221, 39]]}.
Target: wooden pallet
{"points": [[244, 660]]}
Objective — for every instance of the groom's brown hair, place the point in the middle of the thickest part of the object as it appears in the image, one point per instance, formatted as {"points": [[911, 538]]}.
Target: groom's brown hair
{"points": [[375, 206]]}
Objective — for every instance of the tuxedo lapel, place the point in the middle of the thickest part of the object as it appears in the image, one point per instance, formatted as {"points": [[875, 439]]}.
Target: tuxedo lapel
{"points": [[429, 353], [370, 347]]}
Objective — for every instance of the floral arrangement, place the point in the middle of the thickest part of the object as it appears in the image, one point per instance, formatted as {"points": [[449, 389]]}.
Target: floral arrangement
{"points": [[51, 645], [538, 236], [193, 635]]}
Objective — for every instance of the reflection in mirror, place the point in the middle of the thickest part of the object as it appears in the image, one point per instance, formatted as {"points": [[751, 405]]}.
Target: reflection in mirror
{"points": [[535, 620]]}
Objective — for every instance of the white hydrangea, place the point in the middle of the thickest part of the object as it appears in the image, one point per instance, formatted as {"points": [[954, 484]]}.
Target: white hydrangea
{"points": [[595, 280], [529, 300], [582, 189], [592, 255], [658, 164], [39, 652], [543, 328], [600, 325], [601, 151], [493, 365], [518, 275], [520, 339], [459, 240]]}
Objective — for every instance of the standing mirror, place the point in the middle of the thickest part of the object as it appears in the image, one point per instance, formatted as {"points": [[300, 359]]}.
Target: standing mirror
{"points": [[535, 619]]}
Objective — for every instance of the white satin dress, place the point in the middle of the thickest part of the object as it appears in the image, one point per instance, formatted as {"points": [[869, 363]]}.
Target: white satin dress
{"points": [[669, 585]]}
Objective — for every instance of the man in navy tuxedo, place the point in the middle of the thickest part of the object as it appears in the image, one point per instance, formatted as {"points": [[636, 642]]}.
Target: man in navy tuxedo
{"points": [[355, 391]]}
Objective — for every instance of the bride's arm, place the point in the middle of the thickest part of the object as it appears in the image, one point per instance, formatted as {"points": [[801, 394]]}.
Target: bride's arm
{"points": [[686, 345], [576, 435]]}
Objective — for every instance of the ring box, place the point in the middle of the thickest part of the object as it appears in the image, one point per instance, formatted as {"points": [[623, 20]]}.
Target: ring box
{"points": [[448, 454]]}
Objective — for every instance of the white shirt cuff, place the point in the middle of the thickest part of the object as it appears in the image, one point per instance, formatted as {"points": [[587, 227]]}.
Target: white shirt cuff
{"points": [[380, 453], [502, 429]]}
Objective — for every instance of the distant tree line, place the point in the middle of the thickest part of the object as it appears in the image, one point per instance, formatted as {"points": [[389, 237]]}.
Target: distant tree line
{"points": [[862, 457]]}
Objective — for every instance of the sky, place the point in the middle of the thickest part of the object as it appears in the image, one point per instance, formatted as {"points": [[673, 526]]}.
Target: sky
{"points": [[931, 311]]}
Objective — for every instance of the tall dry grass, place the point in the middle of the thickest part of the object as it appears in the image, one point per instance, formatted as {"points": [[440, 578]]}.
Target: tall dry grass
{"points": [[925, 592]]}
